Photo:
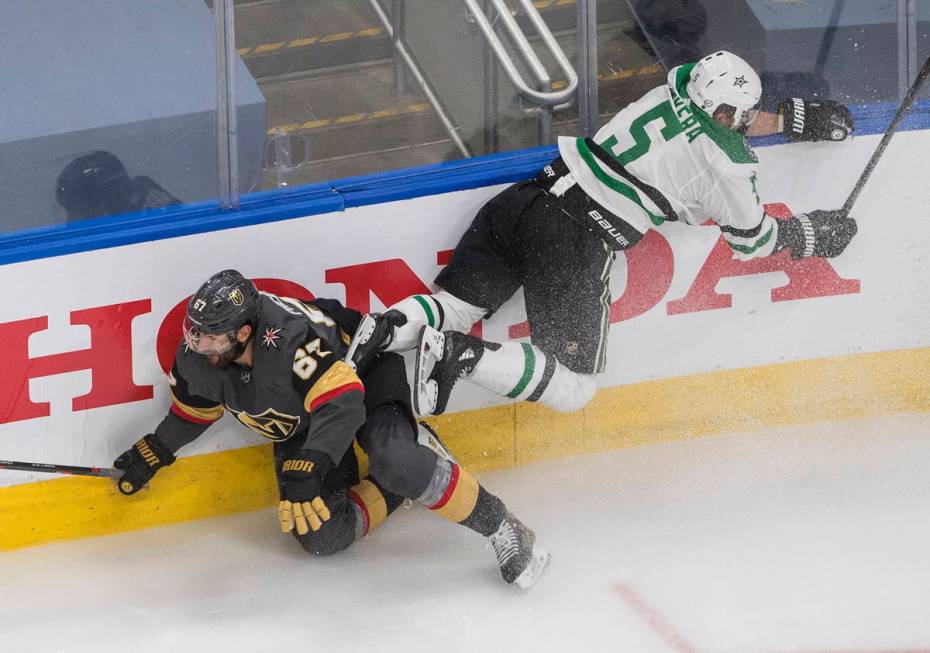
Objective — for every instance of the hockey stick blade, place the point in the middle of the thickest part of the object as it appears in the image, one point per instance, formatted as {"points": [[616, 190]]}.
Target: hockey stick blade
{"points": [[889, 132], [49, 468]]}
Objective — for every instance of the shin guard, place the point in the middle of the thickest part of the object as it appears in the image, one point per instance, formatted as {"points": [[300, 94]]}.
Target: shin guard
{"points": [[372, 504], [466, 502], [524, 372], [440, 311]]}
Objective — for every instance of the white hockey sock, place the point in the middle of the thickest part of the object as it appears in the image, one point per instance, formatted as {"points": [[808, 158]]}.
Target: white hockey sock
{"points": [[442, 311], [523, 372], [568, 391]]}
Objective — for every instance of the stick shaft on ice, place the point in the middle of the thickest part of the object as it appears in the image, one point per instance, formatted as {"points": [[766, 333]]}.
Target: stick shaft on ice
{"points": [[49, 468]]}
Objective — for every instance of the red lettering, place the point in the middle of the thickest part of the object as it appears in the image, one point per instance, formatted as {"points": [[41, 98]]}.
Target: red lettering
{"points": [[649, 270], [109, 359], [390, 281], [169, 333], [807, 278]]}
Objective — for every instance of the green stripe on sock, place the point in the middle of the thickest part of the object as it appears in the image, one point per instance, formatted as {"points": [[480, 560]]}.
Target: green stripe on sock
{"points": [[529, 364], [430, 320]]}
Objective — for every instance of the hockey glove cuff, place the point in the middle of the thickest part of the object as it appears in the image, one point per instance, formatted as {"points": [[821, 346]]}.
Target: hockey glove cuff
{"points": [[818, 233], [815, 120], [140, 463], [301, 505]]}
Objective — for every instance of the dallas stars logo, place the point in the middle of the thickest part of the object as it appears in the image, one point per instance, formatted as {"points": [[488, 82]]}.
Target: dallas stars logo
{"points": [[740, 81], [270, 339]]}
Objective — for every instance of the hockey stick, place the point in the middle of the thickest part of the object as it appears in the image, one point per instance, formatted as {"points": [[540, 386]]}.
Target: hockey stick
{"points": [[905, 105], [105, 472]]}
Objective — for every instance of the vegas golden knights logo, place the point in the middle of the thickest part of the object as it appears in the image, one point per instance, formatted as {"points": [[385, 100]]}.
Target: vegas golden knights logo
{"points": [[270, 424], [236, 297]]}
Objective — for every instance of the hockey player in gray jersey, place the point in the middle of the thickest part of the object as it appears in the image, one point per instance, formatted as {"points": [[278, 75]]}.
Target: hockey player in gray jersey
{"points": [[677, 154], [276, 364]]}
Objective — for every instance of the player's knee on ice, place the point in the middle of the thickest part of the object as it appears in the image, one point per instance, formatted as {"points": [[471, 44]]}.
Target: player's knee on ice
{"points": [[395, 459]]}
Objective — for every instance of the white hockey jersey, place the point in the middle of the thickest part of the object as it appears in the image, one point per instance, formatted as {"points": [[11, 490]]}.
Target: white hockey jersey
{"points": [[704, 170]]}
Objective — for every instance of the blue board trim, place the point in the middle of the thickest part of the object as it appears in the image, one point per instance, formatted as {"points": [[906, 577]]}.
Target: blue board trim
{"points": [[315, 199]]}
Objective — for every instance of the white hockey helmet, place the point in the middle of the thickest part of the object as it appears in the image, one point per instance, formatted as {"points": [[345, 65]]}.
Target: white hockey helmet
{"points": [[722, 78]]}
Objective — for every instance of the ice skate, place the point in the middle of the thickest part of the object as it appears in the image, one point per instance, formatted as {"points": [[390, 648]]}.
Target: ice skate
{"points": [[521, 561], [374, 334], [442, 359], [427, 437]]}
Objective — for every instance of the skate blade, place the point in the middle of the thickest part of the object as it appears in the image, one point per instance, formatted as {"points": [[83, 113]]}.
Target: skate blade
{"points": [[425, 397], [427, 437], [362, 334], [534, 570], [425, 390]]}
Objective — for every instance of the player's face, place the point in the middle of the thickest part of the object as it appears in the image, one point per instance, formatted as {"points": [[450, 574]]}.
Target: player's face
{"points": [[726, 116], [218, 348]]}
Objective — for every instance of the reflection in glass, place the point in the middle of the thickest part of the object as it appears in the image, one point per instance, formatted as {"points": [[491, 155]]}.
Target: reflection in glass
{"points": [[109, 106], [98, 184]]}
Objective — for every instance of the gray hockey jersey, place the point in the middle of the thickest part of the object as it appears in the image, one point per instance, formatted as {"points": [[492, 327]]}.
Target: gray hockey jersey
{"points": [[298, 384]]}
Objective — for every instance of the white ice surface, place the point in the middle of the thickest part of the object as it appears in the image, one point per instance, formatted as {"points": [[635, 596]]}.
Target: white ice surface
{"points": [[806, 540]]}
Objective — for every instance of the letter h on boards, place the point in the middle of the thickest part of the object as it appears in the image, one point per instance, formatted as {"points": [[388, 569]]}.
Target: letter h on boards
{"points": [[109, 359]]}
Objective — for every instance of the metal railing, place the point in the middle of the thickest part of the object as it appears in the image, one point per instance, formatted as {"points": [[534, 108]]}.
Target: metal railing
{"points": [[420, 78], [540, 92]]}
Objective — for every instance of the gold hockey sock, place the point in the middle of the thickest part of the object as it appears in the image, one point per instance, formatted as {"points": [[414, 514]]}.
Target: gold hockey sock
{"points": [[373, 504], [466, 502]]}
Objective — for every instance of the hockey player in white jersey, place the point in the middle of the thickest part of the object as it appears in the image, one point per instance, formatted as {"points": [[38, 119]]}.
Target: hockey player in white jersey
{"points": [[677, 154]]}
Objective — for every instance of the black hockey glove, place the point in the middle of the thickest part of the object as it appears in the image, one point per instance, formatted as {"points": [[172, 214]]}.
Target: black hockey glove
{"points": [[818, 233], [140, 463], [815, 120], [301, 504]]}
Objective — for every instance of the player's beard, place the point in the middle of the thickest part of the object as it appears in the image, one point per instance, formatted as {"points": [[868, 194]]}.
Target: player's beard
{"points": [[219, 361]]}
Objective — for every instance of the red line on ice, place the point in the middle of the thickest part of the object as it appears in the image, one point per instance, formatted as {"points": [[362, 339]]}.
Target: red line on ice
{"points": [[671, 636], [657, 621]]}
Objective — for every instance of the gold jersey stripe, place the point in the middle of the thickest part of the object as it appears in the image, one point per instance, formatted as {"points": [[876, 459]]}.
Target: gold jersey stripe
{"points": [[337, 377], [204, 414], [374, 502], [461, 504]]}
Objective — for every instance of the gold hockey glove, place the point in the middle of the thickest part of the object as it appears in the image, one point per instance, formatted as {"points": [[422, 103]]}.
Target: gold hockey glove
{"points": [[301, 505]]}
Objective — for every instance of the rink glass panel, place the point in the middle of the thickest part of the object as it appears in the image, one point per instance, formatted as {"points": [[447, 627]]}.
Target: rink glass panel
{"points": [[323, 94], [343, 101], [840, 49], [109, 108]]}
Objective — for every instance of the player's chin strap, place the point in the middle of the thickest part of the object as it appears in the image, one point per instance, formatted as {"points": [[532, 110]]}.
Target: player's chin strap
{"points": [[649, 191]]}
